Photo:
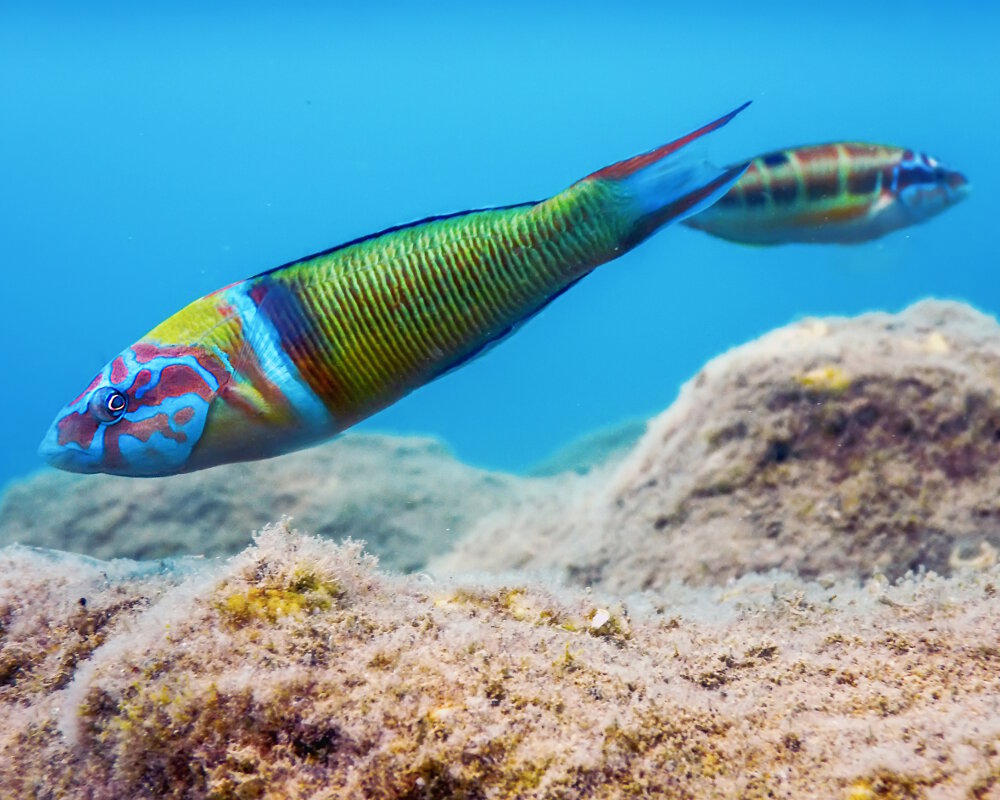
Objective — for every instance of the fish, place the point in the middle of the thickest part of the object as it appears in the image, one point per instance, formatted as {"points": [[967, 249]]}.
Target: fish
{"points": [[839, 193], [296, 354]]}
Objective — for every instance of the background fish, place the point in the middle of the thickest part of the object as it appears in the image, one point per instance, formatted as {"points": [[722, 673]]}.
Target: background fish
{"points": [[842, 193], [296, 354]]}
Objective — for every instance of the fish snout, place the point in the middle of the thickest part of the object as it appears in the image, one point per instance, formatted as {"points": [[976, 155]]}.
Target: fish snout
{"points": [[49, 448], [958, 185], [62, 456]]}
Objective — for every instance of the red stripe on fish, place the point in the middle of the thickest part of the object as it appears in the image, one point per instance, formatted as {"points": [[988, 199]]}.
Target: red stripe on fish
{"points": [[119, 370], [78, 429], [630, 166], [142, 430]]}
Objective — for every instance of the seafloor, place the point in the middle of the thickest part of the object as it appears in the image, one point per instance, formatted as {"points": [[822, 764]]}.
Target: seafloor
{"points": [[785, 585]]}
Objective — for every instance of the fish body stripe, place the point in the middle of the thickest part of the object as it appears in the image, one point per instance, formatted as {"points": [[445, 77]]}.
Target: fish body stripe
{"points": [[328, 340], [790, 195], [832, 173], [365, 324], [263, 344]]}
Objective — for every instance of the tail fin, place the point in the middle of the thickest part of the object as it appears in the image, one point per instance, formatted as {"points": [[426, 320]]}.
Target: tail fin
{"points": [[664, 187]]}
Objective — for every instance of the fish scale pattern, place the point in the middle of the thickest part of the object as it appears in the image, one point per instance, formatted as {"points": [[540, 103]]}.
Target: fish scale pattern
{"points": [[365, 322]]}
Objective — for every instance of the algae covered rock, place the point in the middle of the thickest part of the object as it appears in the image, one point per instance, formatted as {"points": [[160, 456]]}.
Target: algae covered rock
{"points": [[407, 496], [837, 446], [829, 447], [297, 669]]}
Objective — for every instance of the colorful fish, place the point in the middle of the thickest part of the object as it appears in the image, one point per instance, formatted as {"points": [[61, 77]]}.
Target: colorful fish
{"points": [[294, 355], [832, 193]]}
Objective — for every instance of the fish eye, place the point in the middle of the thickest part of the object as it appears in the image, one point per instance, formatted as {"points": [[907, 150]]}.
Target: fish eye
{"points": [[108, 404]]}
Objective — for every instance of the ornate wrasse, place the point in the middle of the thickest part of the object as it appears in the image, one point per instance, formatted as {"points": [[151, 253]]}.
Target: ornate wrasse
{"points": [[842, 193], [296, 354]]}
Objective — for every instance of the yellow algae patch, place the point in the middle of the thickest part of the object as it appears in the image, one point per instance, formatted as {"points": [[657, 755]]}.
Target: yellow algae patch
{"points": [[305, 593], [828, 378], [519, 605], [861, 790], [890, 786]]}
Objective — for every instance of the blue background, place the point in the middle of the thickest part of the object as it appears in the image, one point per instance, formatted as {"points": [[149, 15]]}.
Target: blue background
{"points": [[150, 156]]}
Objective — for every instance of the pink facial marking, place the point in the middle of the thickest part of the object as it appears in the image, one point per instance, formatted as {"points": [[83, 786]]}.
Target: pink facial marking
{"points": [[119, 371], [179, 379], [144, 353], [142, 377], [184, 416], [142, 430], [78, 429]]}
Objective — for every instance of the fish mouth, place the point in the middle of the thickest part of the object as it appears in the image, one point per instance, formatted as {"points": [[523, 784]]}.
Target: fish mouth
{"points": [[62, 457], [958, 185]]}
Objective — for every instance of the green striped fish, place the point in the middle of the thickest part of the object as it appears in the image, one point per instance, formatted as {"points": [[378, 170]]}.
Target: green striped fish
{"points": [[294, 355]]}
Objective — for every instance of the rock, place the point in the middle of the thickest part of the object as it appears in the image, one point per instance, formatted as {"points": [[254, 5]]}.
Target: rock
{"points": [[592, 450], [408, 497], [839, 447], [740, 636], [297, 669]]}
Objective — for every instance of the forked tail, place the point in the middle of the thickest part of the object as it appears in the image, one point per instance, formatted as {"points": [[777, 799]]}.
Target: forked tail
{"points": [[667, 184]]}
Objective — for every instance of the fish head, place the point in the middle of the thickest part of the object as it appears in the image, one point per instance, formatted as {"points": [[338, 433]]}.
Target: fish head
{"points": [[141, 415], [926, 187]]}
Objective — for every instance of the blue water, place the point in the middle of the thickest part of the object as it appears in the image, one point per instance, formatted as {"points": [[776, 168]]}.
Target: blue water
{"points": [[148, 157]]}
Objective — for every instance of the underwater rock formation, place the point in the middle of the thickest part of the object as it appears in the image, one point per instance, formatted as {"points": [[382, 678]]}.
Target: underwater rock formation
{"points": [[828, 447], [592, 450], [836, 447], [752, 663], [408, 497], [297, 669]]}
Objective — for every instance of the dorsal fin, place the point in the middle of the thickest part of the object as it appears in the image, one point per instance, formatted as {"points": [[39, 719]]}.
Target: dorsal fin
{"points": [[386, 231]]}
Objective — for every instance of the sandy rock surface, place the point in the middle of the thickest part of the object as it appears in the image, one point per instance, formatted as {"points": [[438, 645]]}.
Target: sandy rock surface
{"points": [[407, 497], [834, 447], [298, 670], [793, 593]]}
